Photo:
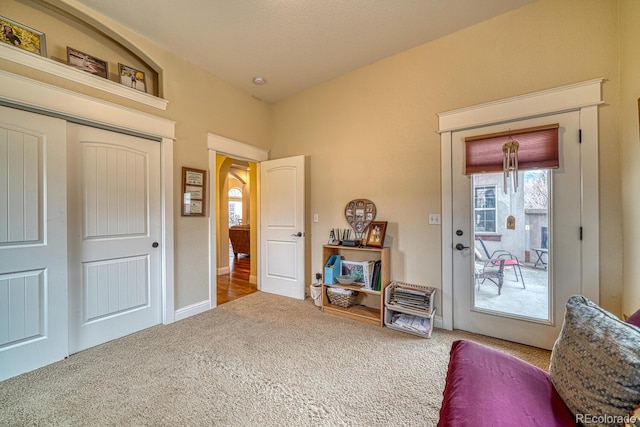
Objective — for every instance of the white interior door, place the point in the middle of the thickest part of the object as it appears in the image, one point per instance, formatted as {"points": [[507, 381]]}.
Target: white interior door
{"points": [[33, 241], [478, 305], [114, 232], [282, 227]]}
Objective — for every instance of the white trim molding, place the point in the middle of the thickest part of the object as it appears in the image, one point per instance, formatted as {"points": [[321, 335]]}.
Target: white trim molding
{"points": [[54, 68], [218, 144], [236, 149], [583, 97], [23, 93]]}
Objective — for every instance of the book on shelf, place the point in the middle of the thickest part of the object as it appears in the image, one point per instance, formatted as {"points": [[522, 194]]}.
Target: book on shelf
{"points": [[375, 279]]}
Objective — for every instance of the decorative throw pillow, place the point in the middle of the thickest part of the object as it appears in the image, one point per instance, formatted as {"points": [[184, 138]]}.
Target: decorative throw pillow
{"points": [[595, 364]]}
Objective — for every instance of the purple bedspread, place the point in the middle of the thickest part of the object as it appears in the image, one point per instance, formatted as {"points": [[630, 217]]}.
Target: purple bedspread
{"points": [[486, 387]]}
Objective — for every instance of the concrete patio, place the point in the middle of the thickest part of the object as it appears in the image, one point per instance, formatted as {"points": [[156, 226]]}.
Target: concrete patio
{"points": [[531, 302]]}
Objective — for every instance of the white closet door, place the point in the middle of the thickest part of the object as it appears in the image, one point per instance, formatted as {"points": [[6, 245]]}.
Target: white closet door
{"points": [[33, 241], [114, 235]]}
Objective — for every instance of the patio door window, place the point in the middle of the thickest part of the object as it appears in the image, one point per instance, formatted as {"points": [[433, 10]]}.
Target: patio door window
{"points": [[511, 277]]}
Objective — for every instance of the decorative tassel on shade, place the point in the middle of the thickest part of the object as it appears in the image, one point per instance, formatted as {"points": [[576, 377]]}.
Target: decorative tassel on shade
{"points": [[510, 163]]}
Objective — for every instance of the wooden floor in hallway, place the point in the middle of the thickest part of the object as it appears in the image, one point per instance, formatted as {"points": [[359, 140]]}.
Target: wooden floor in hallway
{"points": [[235, 284]]}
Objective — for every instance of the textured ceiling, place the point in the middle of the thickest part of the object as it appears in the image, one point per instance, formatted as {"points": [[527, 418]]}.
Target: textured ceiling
{"points": [[293, 44]]}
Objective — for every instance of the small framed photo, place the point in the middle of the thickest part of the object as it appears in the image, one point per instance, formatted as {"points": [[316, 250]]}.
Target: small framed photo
{"points": [[88, 63], [194, 191], [132, 78], [23, 37], [375, 237]]}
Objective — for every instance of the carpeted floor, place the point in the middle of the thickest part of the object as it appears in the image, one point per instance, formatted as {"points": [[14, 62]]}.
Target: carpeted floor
{"points": [[261, 360]]}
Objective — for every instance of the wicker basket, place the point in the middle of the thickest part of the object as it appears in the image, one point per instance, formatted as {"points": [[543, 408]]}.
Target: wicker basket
{"points": [[341, 297]]}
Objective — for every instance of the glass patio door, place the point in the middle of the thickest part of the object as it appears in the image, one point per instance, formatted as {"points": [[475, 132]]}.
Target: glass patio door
{"points": [[511, 245], [517, 254]]}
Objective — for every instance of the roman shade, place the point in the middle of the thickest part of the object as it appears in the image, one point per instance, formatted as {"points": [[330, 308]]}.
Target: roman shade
{"points": [[538, 149]]}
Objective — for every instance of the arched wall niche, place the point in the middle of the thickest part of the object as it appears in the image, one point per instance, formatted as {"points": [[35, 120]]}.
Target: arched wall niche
{"points": [[65, 26]]}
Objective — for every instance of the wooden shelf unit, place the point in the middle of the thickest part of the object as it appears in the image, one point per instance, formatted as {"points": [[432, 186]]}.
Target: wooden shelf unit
{"points": [[369, 304]]}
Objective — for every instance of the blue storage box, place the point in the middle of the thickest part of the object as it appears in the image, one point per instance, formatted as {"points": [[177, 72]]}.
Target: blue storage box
{"points": [[332, 269]]}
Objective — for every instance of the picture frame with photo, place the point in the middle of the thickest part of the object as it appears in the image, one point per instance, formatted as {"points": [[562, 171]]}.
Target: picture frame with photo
{"points": [[22, 37], [194, 191], [85, 62], [132, 78], [375, 236]]}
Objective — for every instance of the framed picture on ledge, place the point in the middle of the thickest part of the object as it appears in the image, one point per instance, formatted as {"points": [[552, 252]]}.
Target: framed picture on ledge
{"points": [[21, 36], [87, 63], [375, 236], [132, 78]]}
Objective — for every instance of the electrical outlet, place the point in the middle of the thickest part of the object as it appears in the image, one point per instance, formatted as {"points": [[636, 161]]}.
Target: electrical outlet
{"points": [[434, 218], [318, 276], [315, 218]]}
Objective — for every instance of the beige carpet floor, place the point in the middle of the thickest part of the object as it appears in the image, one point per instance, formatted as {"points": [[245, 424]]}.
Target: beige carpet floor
{"points": [[262, 360]]}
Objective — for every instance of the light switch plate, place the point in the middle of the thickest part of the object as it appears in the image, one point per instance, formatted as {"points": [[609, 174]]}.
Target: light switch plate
{"points": [[434, 219]]}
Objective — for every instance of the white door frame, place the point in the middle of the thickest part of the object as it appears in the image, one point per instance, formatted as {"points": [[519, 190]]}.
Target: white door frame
{"points": [[583, 97], [31, 95], [218, 144]]}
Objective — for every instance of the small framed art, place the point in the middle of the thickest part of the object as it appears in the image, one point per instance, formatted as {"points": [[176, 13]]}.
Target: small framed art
{"points": [[377, 230], [22, 36], [194, 191], [88, 63], [132, 78]]}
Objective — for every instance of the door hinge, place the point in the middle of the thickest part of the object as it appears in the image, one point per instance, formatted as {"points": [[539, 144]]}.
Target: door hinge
{"points": [[580, 233], [580, 136]]}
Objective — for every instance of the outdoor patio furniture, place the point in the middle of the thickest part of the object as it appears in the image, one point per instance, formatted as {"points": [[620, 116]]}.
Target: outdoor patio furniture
{"points": [[510, 260], [489, 269], [539, 253]]}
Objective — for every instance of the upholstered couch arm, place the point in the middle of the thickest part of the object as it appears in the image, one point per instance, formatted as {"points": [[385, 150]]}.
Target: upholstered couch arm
{"points": [[485, 387]]}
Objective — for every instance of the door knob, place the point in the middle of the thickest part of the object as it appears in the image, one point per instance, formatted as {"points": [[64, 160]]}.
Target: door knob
{"points": [[299, 234], [460, 246], [154, 244]]}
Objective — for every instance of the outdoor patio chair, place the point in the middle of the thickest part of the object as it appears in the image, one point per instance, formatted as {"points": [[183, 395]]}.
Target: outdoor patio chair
{"points": [[489, 269], [510, 260]]}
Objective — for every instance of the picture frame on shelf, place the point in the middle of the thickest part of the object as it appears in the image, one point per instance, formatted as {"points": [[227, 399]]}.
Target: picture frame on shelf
{"points": [[23, 37], [375, 235], [85, 62], [132, 78]]}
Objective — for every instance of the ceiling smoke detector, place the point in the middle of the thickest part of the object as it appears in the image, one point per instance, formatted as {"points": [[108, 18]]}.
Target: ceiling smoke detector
{"points": [[258, 80]]}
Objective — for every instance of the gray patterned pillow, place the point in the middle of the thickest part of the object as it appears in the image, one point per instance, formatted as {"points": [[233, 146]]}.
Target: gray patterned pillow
{"points": [[595, 364]]}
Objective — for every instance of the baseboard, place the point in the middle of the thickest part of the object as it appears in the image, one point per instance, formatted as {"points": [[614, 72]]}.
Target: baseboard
{"points": [[192, 310], [223, 270], [437, 322], [253, 279]]}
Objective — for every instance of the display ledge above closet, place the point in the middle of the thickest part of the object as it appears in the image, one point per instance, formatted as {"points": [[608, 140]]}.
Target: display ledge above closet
{"points": [[52, 67]]}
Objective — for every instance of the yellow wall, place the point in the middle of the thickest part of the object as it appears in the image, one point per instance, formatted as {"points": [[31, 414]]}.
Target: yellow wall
{"points": [[199, 103], [630, 143], [372, 133]]}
